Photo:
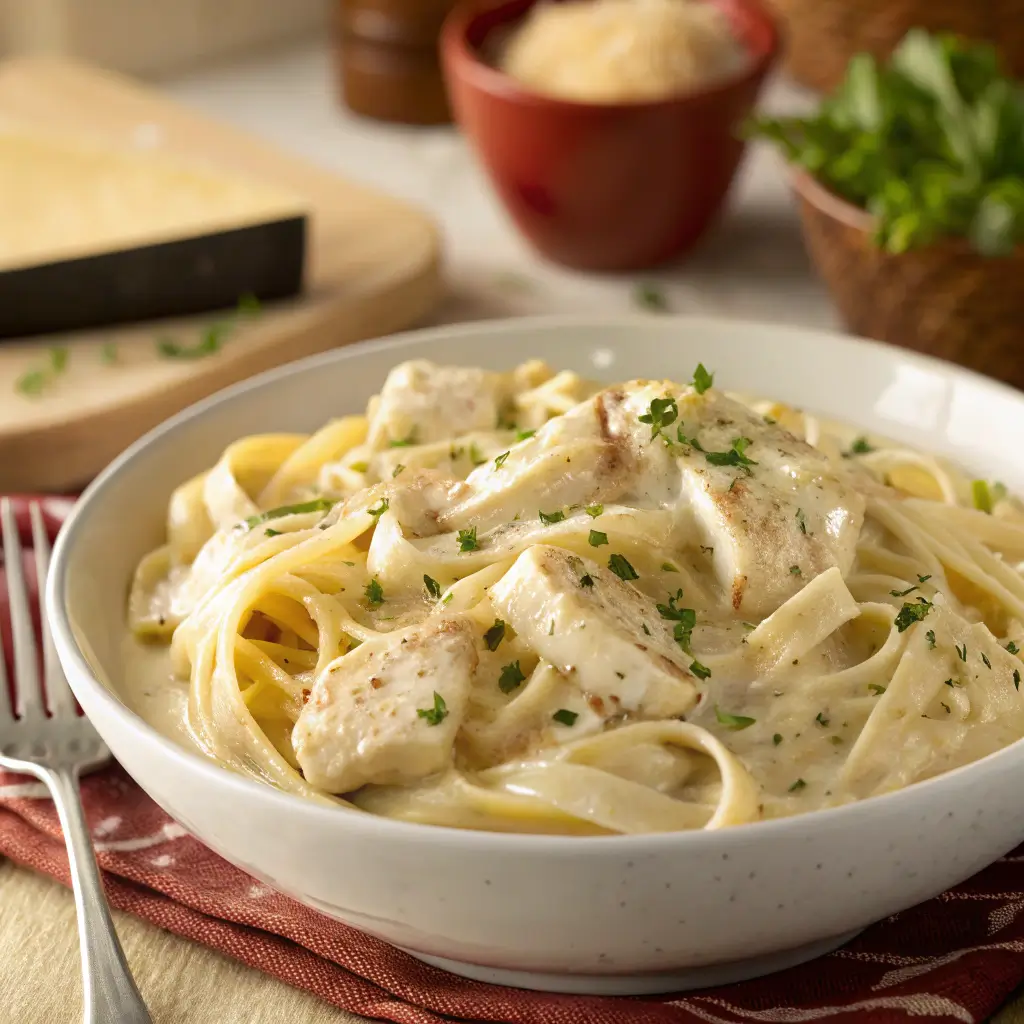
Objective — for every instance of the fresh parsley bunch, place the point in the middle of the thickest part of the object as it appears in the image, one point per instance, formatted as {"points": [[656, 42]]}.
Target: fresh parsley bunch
{"points": [[932, 144]]}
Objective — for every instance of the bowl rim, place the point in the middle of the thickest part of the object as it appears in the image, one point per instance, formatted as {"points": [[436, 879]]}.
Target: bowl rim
{"points": [[462, 60], [84, 682]]}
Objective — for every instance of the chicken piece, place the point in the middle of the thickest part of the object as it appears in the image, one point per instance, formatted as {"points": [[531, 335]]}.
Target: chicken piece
{"points": [[774, 522], [598, 451], [597, 630], [423, 403], [387, 712]]}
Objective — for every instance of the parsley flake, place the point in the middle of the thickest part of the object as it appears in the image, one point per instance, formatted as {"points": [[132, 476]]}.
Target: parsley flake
{"points": [[668, 567], [860, 446], [699, 670], [316, 505], [734, 722], [565, 717], [877, 689], [797, 786], [437, 714], [374, 593], [777, 739], [911, 613], [930, 636], [985, 661], [525, 435], [821, 719], [923, 579], [1012, 648], [962, 653], [405, 442], [795, 570], [380, 509], [467, 540], [597, 539], [594, 510], [735, 456], [476, 456], [981, 495], [550, 518], [272, 533], [500, 460], [621, 567], [801, 520], [650, 296], [397, 470], [1016, 679], [702, 380], [511, 677], [495, 635], [586, 580], [903, 593], [660, 413], [433, 587]]}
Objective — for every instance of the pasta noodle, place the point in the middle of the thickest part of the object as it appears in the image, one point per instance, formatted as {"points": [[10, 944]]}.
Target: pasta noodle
{"points": [[523, 602]]}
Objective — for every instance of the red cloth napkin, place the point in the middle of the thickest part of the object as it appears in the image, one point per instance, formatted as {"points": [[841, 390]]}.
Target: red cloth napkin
{"points": [[956, 958]]}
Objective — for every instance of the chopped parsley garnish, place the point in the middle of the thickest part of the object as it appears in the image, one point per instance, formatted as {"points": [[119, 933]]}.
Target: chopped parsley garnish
{"points": [[821, 719], [398, 469], [316, 505], [699, 670], [797, 786], [777, 739], [272, 533], [565, 717], [660, 413], [495, 635], [730, 721], [801, 520], [860, 446], [597, 538], [668, 567], [447, 597], [735, 456], [962, 652], [911, 613], [380, 509], [650, 296], [360, 467], [1012, 648], [945, 707], [671, 611], [467, 539], [405, 442], [986, 662], [795, 570], [525, 435], [108, 353], [437, 714], [702, 380], [903, 593], [433, 587], [500, 460], [1016, 679], [930, 636], [594, 510], [951, 683], [835, 740], [374, 593], [923, 579], [511, 677], [586, 580], [645, 628], [877, 689], [476, 456], [34, 382], [683, 630], [549, 518], [982, 496], [621, 567]]}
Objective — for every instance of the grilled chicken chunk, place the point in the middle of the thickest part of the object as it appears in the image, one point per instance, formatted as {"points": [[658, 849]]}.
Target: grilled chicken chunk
{"points": [[598, 630], [388, 711]]}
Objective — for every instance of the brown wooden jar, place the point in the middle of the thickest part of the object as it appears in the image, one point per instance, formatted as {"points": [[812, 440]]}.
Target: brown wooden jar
{"points": [[387, 59]]}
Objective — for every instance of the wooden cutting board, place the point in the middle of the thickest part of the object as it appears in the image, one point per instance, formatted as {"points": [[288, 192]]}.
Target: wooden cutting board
{"points": [[372, 267]]}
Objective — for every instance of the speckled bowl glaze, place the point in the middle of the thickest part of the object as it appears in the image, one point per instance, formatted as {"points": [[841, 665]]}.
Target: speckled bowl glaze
{"points": [[634, 914]]}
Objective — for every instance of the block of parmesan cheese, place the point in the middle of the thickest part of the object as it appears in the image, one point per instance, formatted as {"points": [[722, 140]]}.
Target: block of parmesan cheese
{"points": [[92, 236]]}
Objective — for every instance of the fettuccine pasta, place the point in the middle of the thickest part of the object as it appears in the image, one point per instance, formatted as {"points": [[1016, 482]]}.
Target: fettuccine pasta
{"points": [[525, 602]]}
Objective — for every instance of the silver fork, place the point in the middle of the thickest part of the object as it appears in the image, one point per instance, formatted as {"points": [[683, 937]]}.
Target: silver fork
{"points": [[56, 748]]}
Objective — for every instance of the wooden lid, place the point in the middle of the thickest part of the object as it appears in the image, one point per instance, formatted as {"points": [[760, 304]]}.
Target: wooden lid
{"points": [[392, 83]]}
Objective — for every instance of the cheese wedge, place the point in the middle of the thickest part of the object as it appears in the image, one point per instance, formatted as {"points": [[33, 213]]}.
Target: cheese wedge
{"points": [[92, 235]]}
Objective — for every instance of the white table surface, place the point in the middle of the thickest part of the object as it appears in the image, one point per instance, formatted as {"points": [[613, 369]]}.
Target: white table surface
{"points": [[752, 266]]}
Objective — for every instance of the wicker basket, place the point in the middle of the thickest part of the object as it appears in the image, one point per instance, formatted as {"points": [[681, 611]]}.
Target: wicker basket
{"points": [[944, 300], [824, 34]]}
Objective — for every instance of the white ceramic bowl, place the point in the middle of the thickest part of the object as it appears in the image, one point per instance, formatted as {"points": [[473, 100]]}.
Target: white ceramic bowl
{"points": [[616, 914]]}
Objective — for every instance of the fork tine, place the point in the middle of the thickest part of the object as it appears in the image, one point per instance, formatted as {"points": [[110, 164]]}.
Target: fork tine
{"points": [[28, 693], [59, 698]]}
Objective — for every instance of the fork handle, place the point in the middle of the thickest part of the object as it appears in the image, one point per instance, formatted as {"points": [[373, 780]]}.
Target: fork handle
{"points": [[110, 994]]}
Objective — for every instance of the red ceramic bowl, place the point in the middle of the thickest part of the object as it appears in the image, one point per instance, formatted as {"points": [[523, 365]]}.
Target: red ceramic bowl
{"points": [[603, 186]]}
